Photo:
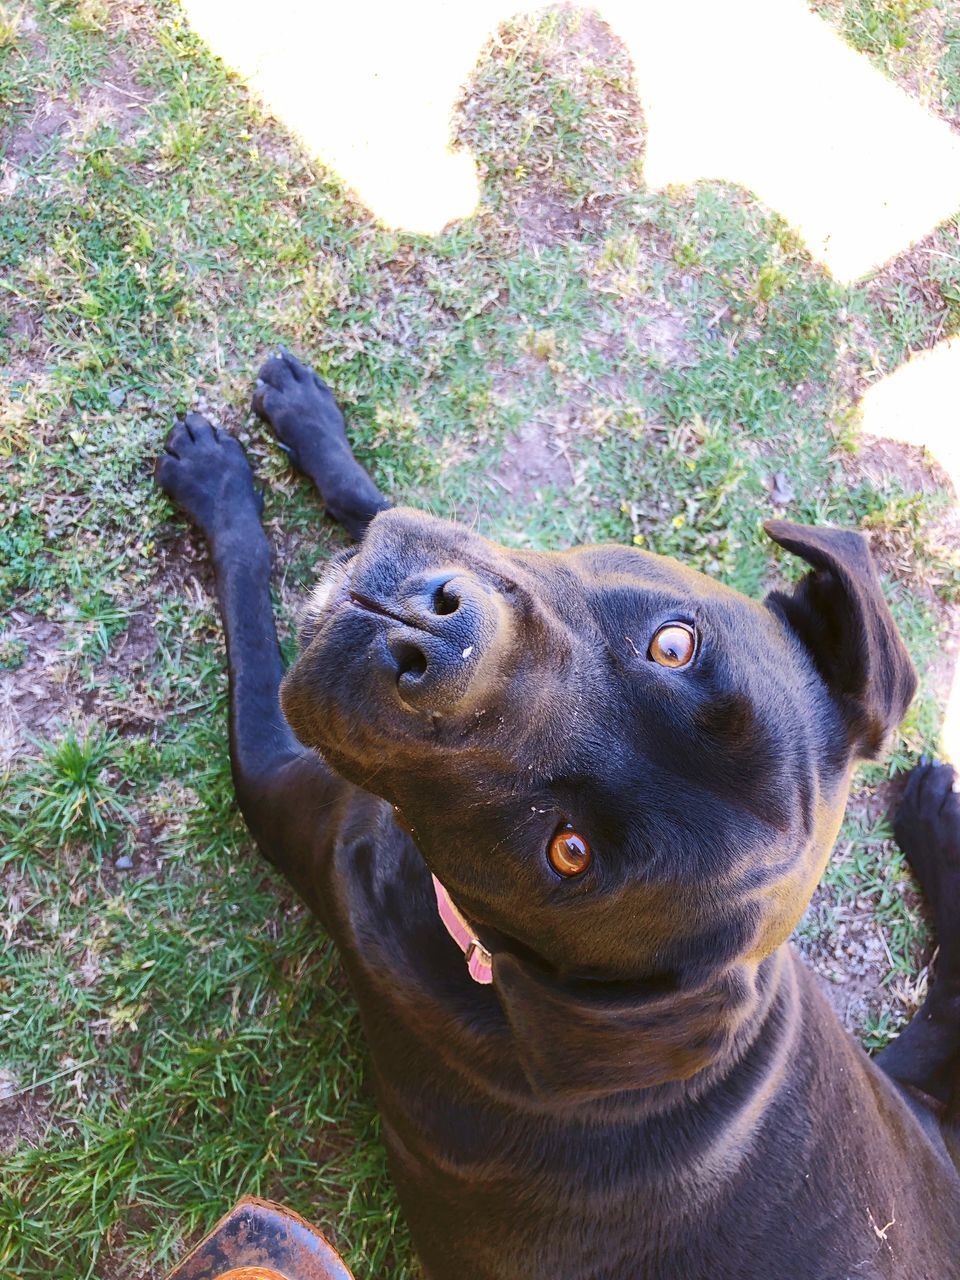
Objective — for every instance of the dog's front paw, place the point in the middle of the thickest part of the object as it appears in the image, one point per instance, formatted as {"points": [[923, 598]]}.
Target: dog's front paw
{"points": [[205, 472], [299, 408]]}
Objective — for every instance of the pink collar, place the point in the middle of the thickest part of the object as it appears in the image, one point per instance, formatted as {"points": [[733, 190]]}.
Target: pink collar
{"points": [[479, 959]]}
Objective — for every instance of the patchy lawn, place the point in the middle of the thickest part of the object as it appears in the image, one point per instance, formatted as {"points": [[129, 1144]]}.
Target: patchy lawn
{"points": [[582, 360]]}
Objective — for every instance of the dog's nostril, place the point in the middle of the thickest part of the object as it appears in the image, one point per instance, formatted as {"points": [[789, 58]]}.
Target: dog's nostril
{"points": [[410, 660], [445, 600]]}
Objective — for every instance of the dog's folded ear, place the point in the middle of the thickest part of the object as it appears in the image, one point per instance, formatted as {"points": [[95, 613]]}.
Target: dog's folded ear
{"points": [[839, 613], [580, 1039]]}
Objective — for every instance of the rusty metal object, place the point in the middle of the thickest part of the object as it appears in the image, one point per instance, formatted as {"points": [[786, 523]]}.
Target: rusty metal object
{"points": [[259, 1240]]}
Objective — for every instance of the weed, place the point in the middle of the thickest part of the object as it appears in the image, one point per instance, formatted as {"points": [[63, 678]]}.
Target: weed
{"points": [[874, 26], [12, 653], [70, 793]]}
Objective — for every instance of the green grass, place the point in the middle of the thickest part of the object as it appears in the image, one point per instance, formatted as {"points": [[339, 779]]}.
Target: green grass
{"points": [[69, 794], [176, 1030], [876, 26]]}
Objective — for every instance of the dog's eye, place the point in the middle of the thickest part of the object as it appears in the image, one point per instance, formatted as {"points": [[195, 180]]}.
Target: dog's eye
{"points": [[569, 853], [674, 645]]}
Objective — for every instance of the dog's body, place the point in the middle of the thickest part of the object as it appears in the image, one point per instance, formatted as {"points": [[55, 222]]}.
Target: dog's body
{"points": [[652, 1085]]}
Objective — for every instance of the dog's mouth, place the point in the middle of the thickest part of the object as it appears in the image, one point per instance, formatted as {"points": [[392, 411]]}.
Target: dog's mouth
{"points": [[336, 589]]}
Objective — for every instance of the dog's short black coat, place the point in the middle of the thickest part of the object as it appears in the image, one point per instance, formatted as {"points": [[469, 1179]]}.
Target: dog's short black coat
{"points": [[653, 1085]]}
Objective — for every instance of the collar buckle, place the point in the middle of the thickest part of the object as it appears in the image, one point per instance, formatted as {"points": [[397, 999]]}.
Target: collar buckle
{"points": [[478, 958]]}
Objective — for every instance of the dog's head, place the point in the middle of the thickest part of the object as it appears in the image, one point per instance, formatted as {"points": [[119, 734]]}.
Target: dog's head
{"points": [[627, 776]]}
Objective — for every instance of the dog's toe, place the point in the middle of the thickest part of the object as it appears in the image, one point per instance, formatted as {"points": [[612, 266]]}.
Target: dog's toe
{"points": [[274, 372], [299, 371], [200, 429]]}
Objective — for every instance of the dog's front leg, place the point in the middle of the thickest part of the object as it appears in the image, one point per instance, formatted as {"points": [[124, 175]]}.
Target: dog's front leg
{"points": [[286, 793], [302, 413]]}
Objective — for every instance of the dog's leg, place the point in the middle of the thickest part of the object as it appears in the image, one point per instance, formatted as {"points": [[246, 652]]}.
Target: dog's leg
{"points": [[302, 413], [926, 1055], [288, 797]]}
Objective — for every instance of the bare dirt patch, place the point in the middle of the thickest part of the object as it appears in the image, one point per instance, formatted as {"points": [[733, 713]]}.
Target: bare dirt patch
{"points": [[532, 461], [58, 123], [878, 459], [35, 696], [39, 131], [23, 1115], [117, 99], [544, 220], [663, 331], [23, 324], [543, 453], [129, 660], [43, 694]]}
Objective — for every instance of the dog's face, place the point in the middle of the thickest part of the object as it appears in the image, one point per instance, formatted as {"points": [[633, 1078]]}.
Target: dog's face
{"points": [[621, 770]]}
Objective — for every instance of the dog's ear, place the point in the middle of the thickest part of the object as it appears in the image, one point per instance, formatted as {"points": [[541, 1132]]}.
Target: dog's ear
{"points": [[579, 1039], [839, 613]]}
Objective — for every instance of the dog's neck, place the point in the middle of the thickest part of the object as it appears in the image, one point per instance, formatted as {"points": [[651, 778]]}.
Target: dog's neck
{"points": [[665, 1044], [719, 1029], [579, 1042]]}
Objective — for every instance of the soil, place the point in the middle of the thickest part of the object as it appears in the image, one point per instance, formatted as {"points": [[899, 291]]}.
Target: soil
{"points": [[35, 697], [23, 1116], [116, 99], [533, 461]]}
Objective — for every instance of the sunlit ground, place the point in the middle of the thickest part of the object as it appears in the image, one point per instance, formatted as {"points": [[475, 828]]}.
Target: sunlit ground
{"points": [[757, 92], [919, 404]]}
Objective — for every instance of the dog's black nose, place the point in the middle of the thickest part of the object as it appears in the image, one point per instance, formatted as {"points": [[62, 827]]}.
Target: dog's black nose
{"points": [[450, 626]]}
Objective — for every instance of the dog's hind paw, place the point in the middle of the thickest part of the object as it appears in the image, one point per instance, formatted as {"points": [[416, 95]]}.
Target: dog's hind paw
{"points": [[299, 408], [927, 828], [205, 472]]}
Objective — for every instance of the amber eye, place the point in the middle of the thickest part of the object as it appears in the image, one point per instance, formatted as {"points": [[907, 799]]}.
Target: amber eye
{"points": [[674, 645], [569, 853]]}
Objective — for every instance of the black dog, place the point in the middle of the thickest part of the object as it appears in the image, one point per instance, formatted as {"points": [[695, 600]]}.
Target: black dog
{"points": [[627, 778]]}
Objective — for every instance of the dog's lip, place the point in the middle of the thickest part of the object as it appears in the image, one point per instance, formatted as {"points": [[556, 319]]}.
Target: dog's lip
{"points": [[335, 590], [368, 605]]}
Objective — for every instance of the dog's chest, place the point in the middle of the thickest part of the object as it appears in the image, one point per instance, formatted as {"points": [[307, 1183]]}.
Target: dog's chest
{"points": [[496, 1184], [480, 1162]]}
